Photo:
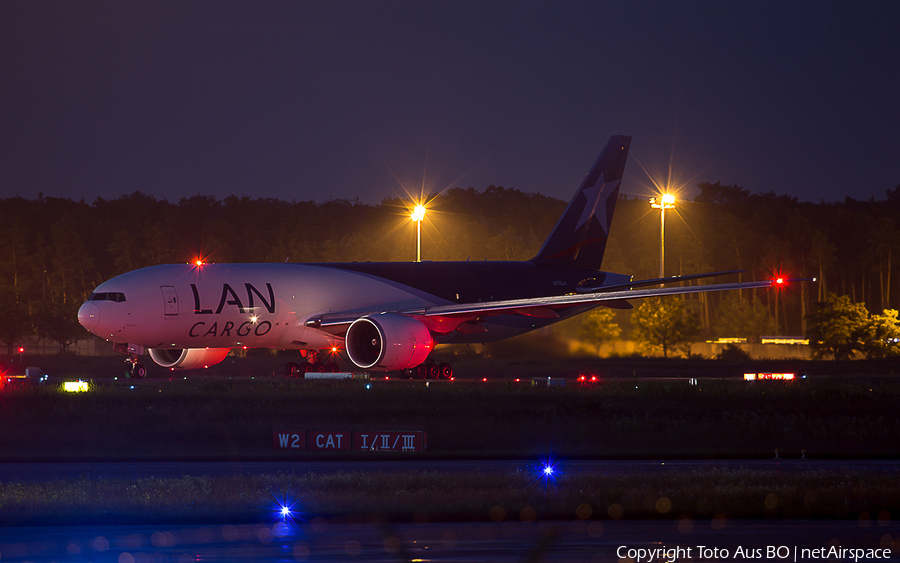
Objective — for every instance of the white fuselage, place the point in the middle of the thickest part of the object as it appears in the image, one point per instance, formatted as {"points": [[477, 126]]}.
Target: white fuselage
{"points": [[235, 305]]}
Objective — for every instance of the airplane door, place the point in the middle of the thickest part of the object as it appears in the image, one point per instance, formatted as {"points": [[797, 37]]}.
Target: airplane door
{"points": [[170, 298]]}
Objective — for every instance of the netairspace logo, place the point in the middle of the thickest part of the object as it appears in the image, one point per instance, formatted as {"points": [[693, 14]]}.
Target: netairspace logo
{"points": [[776, 552]]}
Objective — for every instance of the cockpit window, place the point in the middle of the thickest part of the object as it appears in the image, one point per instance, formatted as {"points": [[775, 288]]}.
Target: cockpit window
{"points": [[116, 296]]}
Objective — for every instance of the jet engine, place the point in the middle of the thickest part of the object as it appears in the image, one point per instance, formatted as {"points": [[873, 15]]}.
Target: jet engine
{"points": [[388, 341], [188, 358]]}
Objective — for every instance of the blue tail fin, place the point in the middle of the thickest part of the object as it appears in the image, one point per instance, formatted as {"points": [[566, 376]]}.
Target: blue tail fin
{"points": [[579, 238]]}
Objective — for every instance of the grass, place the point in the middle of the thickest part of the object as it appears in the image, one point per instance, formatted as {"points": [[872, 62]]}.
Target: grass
{"points": [[442, 496], [219, 418], [233, 419]]}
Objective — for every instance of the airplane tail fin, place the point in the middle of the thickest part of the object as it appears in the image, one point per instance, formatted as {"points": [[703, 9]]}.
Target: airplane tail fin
{"points": [[579, 238]]}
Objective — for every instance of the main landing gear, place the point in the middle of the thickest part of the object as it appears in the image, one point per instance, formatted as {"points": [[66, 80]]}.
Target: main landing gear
{"points": [[431, 370], [294, 369], [134, 369]]}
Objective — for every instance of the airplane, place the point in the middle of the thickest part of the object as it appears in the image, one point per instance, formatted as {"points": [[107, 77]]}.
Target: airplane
{"points": [[385, 316]]}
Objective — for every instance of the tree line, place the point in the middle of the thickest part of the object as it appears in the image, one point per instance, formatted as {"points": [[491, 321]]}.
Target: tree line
{"points": [[56, 250]]}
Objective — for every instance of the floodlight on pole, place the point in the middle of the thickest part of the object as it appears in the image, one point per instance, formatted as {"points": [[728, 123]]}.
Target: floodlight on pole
{"points": [[665, 201], [418, 214]]}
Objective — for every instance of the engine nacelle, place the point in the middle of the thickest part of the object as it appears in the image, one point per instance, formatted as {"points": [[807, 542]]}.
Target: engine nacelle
{"points": [[388, 341], [188, 358]]}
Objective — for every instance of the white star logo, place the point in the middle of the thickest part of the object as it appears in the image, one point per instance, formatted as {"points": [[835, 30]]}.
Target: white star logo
{"points": [[595, 206]]}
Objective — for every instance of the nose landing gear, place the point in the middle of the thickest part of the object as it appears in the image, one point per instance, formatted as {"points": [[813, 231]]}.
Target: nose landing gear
{"points": [[134, 369]]}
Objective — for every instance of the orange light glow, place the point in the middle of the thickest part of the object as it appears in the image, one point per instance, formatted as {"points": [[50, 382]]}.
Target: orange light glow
{"points": [[665, 201], [759, 376], [418, 213]]}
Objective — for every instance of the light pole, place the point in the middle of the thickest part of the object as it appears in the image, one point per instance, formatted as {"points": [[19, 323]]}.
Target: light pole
{"points": [[666, 201], [417, 215]]}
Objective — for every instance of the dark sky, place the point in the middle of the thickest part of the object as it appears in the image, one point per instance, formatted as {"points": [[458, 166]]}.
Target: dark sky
{"points": [[316, 100]]}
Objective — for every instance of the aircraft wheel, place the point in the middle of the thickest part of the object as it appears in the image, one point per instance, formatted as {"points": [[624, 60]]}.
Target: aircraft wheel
{"points": [[433, 371], [291, 369], [139, 372], [332, 367], [318, 367], [303, 369], [421, 371], [445, 371]]}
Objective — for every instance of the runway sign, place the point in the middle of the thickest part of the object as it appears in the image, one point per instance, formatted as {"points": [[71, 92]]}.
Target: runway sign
{"points": [[289, 440], [329, 441], [345, 441], [388, 441]]}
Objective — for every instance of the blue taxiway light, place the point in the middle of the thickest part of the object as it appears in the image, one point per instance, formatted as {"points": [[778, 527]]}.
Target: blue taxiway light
{"points": [[549, 470], [284, 510]]}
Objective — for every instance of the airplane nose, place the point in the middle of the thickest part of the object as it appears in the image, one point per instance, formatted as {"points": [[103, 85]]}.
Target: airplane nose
{"points": [[89, 316]]}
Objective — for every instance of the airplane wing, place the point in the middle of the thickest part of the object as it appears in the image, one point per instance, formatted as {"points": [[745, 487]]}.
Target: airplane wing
{"points": [[655, 281], [444, 318]]}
